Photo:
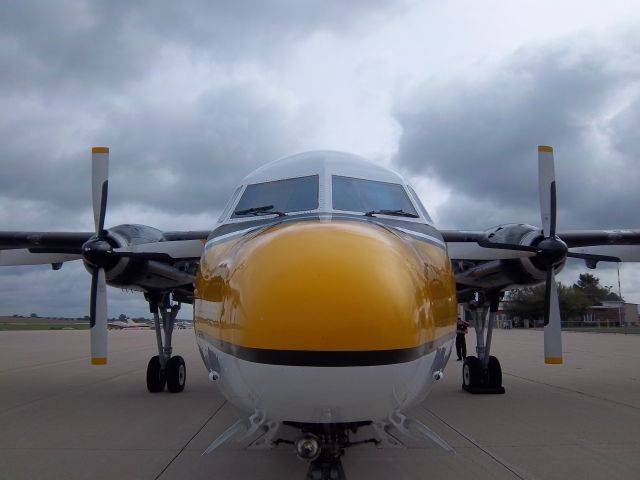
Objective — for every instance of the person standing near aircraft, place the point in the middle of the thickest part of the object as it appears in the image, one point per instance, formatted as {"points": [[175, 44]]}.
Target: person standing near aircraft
{"points": [[461, 343]]}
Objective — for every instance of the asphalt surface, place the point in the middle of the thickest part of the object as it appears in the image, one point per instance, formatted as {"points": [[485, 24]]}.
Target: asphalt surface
{"points": [[63, 418]]}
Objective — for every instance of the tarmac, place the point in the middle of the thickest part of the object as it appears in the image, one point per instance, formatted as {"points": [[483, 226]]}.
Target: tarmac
{"points": [[60, 417]]}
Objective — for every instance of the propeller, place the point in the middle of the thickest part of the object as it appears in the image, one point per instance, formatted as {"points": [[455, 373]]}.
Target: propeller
{"points": [[96, 252], [547, 253], [100, 255], [552, 250]]}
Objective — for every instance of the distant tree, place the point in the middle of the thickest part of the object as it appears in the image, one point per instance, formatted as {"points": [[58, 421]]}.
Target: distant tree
{"points": [[590, 287], [122, 317], [574, 301], [525, 302], [34, 315]]}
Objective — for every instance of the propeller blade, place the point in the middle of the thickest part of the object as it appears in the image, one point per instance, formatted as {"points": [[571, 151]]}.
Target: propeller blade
{"points": [[485, 250], [552, 329], [547, 190], [99, 185], [472, 251], [98, 317], [547, 295], [509, 246]]}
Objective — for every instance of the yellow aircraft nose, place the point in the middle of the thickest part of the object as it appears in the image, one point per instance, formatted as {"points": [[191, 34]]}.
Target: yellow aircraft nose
{"points": [[326, 286]]}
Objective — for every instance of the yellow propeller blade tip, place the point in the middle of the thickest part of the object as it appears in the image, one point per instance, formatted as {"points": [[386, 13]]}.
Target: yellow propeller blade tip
{"points": [[100, 150], [98, 361], [553, 360], [545, 148]]}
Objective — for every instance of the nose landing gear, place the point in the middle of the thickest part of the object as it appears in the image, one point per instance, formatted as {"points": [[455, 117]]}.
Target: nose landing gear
{"points": [[323, 445]]}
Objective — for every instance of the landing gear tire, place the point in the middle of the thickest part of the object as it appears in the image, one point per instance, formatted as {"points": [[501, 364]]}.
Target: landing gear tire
{"points": [[475, 379], [176, 374], [495, 373], [156, 378], [471, 373]]}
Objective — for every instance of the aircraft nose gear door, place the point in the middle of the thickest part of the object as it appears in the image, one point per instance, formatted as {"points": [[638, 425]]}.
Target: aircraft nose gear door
{"points": [[163, 369], [483, 374]]}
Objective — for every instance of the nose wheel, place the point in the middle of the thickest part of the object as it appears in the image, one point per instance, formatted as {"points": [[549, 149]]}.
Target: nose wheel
{"points": [[164, 369]]}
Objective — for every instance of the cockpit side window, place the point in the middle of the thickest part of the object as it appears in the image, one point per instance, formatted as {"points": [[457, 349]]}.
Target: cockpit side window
{"points": [[419, 204], [360, 195], [229, 204], [288, 195]]}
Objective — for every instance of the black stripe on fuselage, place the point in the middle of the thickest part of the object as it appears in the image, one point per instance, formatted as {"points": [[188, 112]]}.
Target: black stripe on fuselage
{"points": [[313, 358]]}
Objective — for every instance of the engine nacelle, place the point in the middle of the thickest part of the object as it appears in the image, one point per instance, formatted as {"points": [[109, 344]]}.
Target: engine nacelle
{"points": [[139, 274], [500, 274]]}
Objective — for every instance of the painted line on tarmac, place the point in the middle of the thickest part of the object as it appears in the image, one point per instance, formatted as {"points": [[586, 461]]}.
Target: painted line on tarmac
{"points": [[569, 390], [515, 471], [190, 440]]}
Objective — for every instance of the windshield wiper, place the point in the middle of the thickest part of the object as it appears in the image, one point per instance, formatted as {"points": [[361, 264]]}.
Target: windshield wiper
{"points": [[263, 210], [396, 213]]}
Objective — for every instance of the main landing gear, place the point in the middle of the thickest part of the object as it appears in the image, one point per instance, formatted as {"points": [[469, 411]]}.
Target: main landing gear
{"points": [[163, 369], [483, 374]]}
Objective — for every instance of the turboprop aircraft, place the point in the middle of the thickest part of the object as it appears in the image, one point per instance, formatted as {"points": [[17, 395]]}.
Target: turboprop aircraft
{"points": [[324, 299]]}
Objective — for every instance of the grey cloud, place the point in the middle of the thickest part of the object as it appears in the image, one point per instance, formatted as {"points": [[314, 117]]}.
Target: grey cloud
{"points": [[182, 158], [479, 134], [75, 76], [623, 132], [201, 154], [76, 47]]}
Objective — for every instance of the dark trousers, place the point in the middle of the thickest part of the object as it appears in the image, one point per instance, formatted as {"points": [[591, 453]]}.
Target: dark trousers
{"points": [[461, 345]]}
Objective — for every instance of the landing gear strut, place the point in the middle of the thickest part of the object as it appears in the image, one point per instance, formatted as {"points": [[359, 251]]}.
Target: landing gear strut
{"points": [[483, 374], [163, 369]]}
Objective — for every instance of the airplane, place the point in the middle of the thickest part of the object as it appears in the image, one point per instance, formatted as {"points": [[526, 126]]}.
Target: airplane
{"points": [[324, 299], [128, 323]]}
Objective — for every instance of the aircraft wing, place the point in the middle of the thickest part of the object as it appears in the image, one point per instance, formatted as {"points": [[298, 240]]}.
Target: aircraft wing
{"points": [[596, 245], [162, 264], [134, 241], [518, 254]]}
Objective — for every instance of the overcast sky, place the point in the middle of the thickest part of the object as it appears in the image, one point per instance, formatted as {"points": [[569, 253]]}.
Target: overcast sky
{"points": [[191, 96]]}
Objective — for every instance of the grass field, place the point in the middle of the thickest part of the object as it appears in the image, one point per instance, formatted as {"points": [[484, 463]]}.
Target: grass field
{"points": [[43, 326], [44, 323]]}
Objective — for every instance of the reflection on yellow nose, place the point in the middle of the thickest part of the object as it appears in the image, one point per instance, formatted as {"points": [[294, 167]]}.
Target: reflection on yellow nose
{"points": [[326, 286]]}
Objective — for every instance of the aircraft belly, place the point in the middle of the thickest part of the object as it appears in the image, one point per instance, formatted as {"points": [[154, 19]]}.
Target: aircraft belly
{"points": [[324, 394]]}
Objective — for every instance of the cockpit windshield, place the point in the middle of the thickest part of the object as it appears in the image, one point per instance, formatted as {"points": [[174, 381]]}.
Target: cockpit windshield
{"points": [[359, 195], [288, 195]]}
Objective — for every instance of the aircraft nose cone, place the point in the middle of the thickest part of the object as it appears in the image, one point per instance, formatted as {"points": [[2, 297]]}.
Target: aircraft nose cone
{"points": [[335, 286]]}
